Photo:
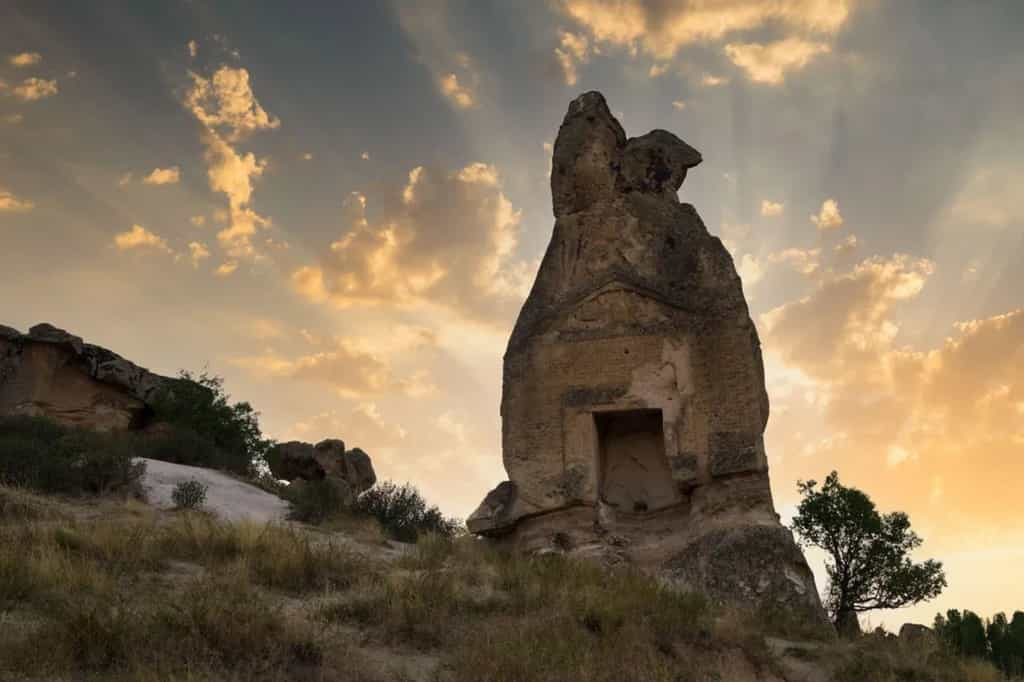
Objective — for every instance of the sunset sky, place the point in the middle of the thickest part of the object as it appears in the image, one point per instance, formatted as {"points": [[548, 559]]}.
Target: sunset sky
{"points": [[339, 207]]}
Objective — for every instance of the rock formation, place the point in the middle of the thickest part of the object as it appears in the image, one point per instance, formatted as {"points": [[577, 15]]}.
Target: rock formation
{"points": [[49, 372], [633, 399], [351, 471]]}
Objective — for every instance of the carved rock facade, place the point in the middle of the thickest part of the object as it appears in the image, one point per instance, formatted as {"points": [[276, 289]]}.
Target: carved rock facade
{"points": [[633, 401]]}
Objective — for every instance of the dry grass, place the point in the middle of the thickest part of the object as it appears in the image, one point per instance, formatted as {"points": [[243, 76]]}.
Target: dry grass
{"points": [[136, 594]]}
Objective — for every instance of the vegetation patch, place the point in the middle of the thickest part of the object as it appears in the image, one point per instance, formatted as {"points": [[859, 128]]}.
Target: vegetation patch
{"points": [[42, 455]]}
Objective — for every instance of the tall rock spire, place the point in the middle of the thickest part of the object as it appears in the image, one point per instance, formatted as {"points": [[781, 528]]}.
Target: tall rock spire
{"points": [[633, 401]]}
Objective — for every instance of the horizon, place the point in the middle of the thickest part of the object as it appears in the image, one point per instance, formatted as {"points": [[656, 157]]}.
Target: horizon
{"points": [[341, 211]]}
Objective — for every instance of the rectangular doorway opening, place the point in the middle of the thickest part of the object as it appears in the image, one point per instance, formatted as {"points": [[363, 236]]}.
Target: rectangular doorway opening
{"points": [[634, 472]]}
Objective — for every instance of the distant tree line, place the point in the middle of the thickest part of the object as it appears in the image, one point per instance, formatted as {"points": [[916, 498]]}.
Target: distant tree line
{"points": [[999, 640]]}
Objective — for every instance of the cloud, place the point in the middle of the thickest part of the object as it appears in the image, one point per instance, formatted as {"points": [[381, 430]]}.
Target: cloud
{"points": [[140, 238], [828, 217], [710, 81], [197, 252], [573, 50], [750, 270], [350, 371], [804, 261], [457, 92], [308, 156], [442, 238], [771, 208], [198, 220], [25, 59], [678, 105], [657, 70], [945, 415], [226, 268], [661, 29], [192, 47], [14, 119], [163, 176], [848, 245], [229, 111], [125, 179], [32, 89], [846, 320], [9, 203], [226, 102], [989, 198], [365, 426], [768, 63], [365, 156]]}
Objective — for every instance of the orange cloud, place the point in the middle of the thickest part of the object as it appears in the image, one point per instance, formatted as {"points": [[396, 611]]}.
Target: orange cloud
{"points": [[934, 431], [25, 59], [163, 176], [661, 29], [32, 89], [768, 63], [572, 51], [140, 238], [350, 371], [445, 239], [10, 203], [828, 218]]}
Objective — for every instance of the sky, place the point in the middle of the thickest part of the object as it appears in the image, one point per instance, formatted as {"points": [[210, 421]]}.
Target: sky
{"points": [[339, 208]]}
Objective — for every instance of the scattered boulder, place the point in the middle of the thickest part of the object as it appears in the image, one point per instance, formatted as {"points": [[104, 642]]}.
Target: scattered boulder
{"points": [[50, 372], [914, 632], [328, 459], [633, 395]]}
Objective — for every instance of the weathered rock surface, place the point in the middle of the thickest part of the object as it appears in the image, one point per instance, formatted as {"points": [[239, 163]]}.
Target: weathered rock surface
{"points": [[50, 372], [633, 399], [328, 459]]}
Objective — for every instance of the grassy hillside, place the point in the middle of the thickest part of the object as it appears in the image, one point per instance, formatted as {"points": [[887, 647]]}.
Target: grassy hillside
{"points": [[112, 589]]}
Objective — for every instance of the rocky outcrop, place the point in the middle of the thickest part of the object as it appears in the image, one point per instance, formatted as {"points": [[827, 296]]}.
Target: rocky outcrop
{"points": [[633, 398], [350, 470], [50, 372]]}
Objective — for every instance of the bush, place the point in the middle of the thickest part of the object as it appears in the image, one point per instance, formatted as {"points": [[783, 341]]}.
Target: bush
{"points": [[38, 453], [403, 513], [181, 445], [197, 404], [189, 494], [315, 501]]}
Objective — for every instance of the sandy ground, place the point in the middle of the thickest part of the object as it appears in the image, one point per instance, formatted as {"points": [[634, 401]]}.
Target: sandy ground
{"points": [[228, 498]]}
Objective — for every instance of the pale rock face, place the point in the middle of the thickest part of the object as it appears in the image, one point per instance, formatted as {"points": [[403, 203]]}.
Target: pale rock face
{"points": [[633, 400], [49, 372]]}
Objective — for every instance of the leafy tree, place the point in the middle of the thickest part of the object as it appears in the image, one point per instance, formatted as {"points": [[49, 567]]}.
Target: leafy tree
{"points": [[1014, 645], [198, 403], [869, 566]]}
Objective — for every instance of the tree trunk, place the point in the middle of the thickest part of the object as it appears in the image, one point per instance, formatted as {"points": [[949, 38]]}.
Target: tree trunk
{"points": [[847, 624]]}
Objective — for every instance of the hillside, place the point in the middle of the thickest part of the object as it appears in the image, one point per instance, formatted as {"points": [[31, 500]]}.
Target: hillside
{"points": [[112, 588]]}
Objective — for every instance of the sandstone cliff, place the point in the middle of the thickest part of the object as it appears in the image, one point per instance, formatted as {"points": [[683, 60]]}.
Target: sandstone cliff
{"points": [[49, 372]]}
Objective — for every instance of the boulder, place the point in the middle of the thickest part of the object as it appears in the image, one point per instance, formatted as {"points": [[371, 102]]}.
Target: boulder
{"points": [[298, 461], [633, 394], [52, 373]]}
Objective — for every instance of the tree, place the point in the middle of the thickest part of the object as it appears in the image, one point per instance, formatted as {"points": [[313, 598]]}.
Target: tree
{"points": [[198, 404], [869, 566]]}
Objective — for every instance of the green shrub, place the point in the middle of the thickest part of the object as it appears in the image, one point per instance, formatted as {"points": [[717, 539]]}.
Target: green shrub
{"points": [[40, 454], [198, 404], [315, 501], [189, 494], [181, 445], [403, 513]]}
